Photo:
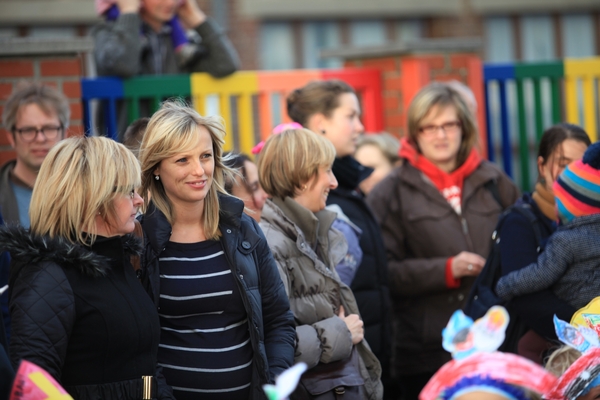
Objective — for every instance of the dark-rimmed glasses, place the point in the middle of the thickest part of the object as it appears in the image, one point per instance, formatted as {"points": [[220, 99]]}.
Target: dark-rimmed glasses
{"points": [[29, 133], [448, 127]]}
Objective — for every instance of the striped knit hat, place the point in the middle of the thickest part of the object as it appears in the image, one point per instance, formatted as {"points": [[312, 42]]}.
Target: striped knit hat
{"points": [[577, 189]]}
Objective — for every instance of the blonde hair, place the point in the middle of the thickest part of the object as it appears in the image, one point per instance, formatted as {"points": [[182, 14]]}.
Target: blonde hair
{"points": [[442, 95], [173, 129], [384, 142], [80, 177], [561, 359], [290, 159]]}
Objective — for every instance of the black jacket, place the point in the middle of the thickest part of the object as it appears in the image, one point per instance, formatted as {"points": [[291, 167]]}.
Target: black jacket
{"points": [[81, 314], [370, 284], [271, 323]]}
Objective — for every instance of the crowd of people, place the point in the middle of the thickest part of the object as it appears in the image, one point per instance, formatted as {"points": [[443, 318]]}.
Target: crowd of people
{"points": [[163, 263]]}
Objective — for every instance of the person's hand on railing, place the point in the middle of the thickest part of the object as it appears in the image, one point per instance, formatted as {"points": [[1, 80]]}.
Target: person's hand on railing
{"points": [[190, 14], [128, 6]]}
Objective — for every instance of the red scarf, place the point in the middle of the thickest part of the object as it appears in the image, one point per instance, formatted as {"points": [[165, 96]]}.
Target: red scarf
{"points": [[449, 184]]}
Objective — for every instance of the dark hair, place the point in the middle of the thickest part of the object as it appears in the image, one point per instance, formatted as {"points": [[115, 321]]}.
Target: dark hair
{"points": [[557, 134], [316, 97], [235, 162], [132, 138]]}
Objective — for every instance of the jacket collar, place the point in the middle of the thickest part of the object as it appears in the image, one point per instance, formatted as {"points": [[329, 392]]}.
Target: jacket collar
{"points": [[26, 248], [158, 229], [415, 178], [314, 226], [349, 172]]}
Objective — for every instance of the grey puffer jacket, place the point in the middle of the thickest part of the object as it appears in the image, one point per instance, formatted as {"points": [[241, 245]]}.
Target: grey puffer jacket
{"points": [[306, 250]]}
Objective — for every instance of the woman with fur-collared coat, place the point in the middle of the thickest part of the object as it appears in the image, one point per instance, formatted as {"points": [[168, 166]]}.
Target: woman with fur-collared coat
{"points": [[437, 212], [295, 169]]}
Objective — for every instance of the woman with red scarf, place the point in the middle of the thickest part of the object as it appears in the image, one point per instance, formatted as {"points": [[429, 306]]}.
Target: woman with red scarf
{"points": [[437, 212]]}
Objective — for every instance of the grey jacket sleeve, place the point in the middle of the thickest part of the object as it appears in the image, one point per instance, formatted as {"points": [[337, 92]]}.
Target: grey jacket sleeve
{"points": [[550, 267], [42, 309], [117, 46], [222, 58]]}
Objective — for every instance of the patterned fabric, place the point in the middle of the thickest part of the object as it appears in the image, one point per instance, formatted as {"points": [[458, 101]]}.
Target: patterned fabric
{"points": [[577, 191], [570, 265]]}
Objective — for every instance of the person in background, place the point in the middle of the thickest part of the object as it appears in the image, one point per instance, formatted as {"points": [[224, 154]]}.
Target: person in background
{"points": [[132, 138], [437, 211], [294, 168], [331, 109], [77, 307], [377, 151], [245, 185], [559, 146], [139, 42], [36, 118], [226, 325]]}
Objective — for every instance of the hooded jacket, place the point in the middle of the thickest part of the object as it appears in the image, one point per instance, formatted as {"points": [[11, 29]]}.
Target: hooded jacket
{"points": [[421, 232], [271, 324], [306, 251], [81, 314]]}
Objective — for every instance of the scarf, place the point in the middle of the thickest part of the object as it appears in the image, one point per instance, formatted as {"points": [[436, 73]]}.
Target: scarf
{"points": [[449, 184], [544, 199]]}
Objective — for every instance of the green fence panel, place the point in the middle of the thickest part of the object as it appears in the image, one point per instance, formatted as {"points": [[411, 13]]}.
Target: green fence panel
{"points": [[155, 89]]}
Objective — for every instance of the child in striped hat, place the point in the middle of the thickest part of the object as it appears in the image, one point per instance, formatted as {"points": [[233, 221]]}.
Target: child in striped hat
{"points": [[570, 262]]}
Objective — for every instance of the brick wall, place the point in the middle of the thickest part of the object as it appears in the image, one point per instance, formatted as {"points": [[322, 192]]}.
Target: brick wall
{"points": [[404, 75], [63, 73]]}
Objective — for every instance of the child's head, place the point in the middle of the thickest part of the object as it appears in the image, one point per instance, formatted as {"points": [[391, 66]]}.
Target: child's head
{"points": [[132, 138], [561, 359], [577, 189]]}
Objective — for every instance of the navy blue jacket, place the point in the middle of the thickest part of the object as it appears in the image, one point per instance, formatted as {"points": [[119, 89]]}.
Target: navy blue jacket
{"points": [[518, 249], [271, 323]]}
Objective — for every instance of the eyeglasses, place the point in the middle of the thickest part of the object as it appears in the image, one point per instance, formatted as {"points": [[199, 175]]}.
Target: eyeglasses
{"points": [[29, 133], [448, 127]]}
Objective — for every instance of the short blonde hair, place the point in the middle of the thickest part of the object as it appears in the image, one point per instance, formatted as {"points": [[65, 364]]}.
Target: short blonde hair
{"points": [[173, 129], [80, 177], [384, 142], [442, 95], [291, 159], [561, 359]]}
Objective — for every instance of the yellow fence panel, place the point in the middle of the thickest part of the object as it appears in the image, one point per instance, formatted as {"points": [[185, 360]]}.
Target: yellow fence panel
{"points": [[586, 71]]}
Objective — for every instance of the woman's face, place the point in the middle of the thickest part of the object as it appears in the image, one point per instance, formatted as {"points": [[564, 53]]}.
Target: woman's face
{"points": [[187, 176], [370, 155], [250, 191], [481, 395], [314, 196], [565, 153], [440, 145], [122, 222], [343, 127]]}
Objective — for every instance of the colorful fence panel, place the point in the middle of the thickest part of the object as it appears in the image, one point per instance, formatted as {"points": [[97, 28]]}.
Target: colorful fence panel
{"points": [[557, 105], [246, 100]]}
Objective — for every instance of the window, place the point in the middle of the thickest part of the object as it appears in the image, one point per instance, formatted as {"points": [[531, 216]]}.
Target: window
{"points": [[367, 33], [409, 30], [578, 35], [316, 37], [537, 38], [499, 39], [277, 46]]}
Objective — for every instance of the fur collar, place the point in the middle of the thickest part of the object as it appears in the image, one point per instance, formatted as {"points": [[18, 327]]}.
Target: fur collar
{"points": [[26, 249]]}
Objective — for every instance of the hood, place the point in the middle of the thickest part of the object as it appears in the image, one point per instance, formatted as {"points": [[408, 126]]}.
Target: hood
{"points": [[349, 172], [26, 249]]}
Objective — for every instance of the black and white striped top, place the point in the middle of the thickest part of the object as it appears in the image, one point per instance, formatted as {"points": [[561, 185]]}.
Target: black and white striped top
{"points": [[205, 347]]}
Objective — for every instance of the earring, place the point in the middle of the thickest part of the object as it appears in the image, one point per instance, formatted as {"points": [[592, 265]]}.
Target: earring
{"points": [[304, 187], [323, 131], [157, 177]]}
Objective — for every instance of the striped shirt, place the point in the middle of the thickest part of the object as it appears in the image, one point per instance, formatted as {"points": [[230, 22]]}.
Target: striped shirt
{"points": [[205, 347]]}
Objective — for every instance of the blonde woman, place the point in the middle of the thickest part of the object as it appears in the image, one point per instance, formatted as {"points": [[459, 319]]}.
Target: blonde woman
{"points": [[295, 169], [77, 307], [226, 326], [437, 212]]}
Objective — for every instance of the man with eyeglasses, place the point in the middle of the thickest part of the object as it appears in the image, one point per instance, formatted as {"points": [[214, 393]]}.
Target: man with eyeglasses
{"points": [[36, 118]]}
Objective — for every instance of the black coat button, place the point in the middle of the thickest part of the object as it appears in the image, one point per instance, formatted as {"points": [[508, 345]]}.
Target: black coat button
{"points": [[246, 245]]}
